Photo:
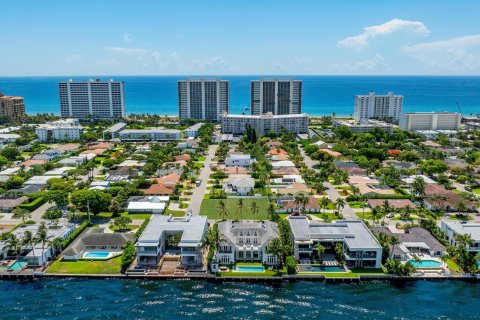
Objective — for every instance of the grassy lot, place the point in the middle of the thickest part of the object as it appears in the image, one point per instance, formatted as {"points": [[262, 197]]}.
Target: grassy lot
{"points": [[201, 159], [284, 215], [112, 266], [175, 213], [356, 205], [331, 205], [353, 273], [477, 191], [209, 208], [327, 216], [137, 216], [460, 217], [453, 266]]}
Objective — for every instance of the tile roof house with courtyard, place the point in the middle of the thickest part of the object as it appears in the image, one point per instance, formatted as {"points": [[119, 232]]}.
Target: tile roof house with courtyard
{"points": [[170, 235], [294, 188], [361, 248], [454, 228], [368, 186], [334, 154], [289, 206], [95, 239], [31, 163], [184, 156], [239, 184], [439, 198], [415, 241], [276, 152], [285, 171], [246, 241]]}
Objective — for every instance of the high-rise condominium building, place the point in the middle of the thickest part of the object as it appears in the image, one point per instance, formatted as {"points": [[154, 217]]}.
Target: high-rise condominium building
{"points": [[430, 121], [278, 96], [374, 106], [92, 99], [203, 99], [11, 107]]}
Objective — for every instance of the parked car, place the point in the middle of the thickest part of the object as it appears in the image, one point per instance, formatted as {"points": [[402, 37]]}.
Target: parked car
{"points": [[390, 215]]}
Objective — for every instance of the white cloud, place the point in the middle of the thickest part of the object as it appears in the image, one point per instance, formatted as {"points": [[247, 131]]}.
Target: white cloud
{"points": [[461, 54], [213, 64], [374, 65], [361, 40], [128, 51], [127, 37]]}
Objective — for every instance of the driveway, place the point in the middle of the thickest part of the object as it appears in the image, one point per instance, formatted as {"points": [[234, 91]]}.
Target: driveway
{"points": [[199, 192], [332, 193]]}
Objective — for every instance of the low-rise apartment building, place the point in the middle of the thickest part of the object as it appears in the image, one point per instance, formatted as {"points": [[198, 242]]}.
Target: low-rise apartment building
{"points": [[236, 123], [61, 130], [152, 134]]}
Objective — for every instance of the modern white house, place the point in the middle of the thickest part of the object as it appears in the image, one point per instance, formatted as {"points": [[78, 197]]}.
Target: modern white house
{"points": [[170, 235], [8, 137], [240, 184], [153, 204], [36, 255], [237, 159], [289, 179], [454, 228], [246, 241], [360, 247], [277, 165]]}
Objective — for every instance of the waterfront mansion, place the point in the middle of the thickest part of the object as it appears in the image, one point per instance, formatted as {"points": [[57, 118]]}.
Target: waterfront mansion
{"points": [[360, 247], [246, 241], [176, 236]]}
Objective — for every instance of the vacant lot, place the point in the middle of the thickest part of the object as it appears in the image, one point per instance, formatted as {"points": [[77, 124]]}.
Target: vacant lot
{"points": [[112, 266], [209, 208]]}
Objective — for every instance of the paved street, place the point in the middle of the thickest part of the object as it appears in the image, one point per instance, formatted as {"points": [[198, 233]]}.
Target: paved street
{"points": [[200, 191], [332, 193]]}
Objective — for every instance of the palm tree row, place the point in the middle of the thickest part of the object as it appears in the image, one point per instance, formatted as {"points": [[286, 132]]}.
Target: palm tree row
{"points": [[223, 211]]}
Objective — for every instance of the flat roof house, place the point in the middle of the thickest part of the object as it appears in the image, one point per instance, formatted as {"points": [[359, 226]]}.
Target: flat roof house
{"points": [[153, 204], [246, 241], [239, 160], [361, 248], [453, 228], [173, 236]]}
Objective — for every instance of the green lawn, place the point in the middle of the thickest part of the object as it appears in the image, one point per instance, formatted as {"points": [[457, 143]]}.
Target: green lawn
{"points": [[453, 266], [201, 159], [477, 191], [137, 216], [267, 273], [112, 266], [209, 208], [460, 217], [175, 213], [327, 216], [353, 273]]}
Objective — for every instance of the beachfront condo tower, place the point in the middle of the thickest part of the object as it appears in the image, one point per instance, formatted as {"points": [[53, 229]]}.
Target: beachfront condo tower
{"points": [[278, 96], [203, 99], [11, 107], [92, 99], [374, 106]]}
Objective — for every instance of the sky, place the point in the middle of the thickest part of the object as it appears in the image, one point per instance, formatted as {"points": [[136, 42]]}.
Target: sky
{"points": [[248, 37]]}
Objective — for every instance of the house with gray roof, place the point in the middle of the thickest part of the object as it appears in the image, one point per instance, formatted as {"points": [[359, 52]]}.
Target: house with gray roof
{"points": [[246, 241], [169, 235], [414, 241], [96, 240], [239, 184], [360, 247]]}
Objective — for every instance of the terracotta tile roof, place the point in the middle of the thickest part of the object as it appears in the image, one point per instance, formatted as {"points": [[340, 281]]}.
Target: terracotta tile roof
{"points": [[30, 163], [94, 151], [394, 203], [184, 157], [101, 145], [235, 170], [276, 151], [158, 189]]}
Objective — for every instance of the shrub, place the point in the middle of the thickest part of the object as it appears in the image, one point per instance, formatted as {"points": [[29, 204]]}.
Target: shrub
{"points": [[291, 265], [74, 234], [128, 255], [142, 227], [35, 204]]}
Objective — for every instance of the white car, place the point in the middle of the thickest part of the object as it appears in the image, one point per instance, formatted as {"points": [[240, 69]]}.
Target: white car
{"points": [[390, 215]]}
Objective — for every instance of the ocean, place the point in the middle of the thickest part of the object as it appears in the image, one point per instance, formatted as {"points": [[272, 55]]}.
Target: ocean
{"points": [[322, 95], [150, 299]]}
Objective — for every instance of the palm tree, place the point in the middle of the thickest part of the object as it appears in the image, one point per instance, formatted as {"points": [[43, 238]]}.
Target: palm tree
{"points": [[298, 200], [42, 237], [24, 214], [418, 186], [320, 251], [276, 249], [29, 240], [376, 215], [254, 209], [13, 244], [240, 208], [340, 204], [57, 244], [272, 212], [305, 201], [393, 241], [464, 239], [222, 209], [355, 191], [324, 202]]}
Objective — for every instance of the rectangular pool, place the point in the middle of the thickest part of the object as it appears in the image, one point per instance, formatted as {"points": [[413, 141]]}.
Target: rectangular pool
{"points": [[16, 266], [96, 255], [249, 269], [426, 264], [318, 268]]}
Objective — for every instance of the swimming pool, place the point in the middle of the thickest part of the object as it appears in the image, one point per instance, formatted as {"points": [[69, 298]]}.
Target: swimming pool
{"points": [[318, 268], [426, 264], [247, 268], [16, 266], [96, 255]]}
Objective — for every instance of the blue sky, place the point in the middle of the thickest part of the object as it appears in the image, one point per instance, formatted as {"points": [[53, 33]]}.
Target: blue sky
{"points": [[186, 37]]}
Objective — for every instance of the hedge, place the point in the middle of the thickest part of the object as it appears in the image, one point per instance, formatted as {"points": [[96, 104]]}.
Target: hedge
{"points": [[212, 248], [35, 204], [128, 255], [142, 227], [74, 234], [291, 265]]}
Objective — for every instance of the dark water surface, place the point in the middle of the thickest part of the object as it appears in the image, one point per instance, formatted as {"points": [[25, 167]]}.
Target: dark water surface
{"points": [[148, 299]]}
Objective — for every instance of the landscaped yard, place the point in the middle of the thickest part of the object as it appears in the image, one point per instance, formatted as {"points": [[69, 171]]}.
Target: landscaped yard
{"points": [[175, 213], [352, 273], [112, 266], [267, 273], [209, 208], [328, 216], [477, 191], [137, 216], [453, 266]]}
